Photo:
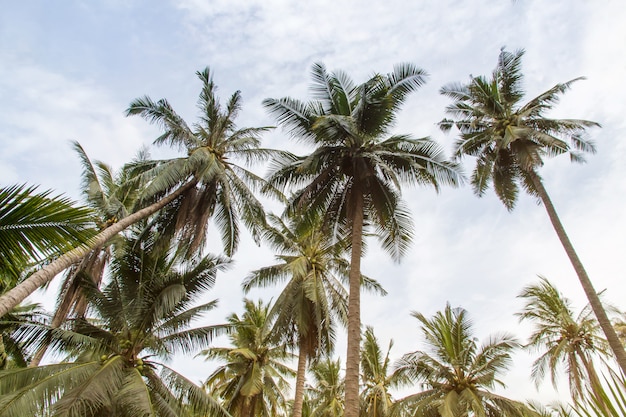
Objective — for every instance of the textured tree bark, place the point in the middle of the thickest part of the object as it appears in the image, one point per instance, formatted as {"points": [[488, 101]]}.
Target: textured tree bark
{"points": [[354, 313], [590, 292], [299, 394], [19, 293]]}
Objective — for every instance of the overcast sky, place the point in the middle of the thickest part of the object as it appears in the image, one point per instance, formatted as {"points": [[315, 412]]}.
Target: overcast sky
{"points": [[69, 69]]}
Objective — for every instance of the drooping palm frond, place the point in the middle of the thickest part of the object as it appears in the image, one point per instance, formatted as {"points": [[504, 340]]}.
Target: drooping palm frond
{"points": [[561, 338], [36, 225]]}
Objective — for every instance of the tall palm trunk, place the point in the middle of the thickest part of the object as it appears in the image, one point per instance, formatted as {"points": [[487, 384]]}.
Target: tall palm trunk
{"points": [[354, 312], [16, 295], [299, 394], [590, 292]]}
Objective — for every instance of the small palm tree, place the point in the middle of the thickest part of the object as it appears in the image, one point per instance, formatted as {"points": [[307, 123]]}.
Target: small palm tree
{"points": [[376, 377], [563, 339], [205, 182], [326, 394], [253, 379], [313, 300], [456, 372], [510, 141], [116, 359], [354, 175]]}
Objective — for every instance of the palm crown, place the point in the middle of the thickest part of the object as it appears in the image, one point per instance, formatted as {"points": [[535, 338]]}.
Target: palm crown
{"points": [[347, 123], [509, 138], [220, 186], [457, 372]]}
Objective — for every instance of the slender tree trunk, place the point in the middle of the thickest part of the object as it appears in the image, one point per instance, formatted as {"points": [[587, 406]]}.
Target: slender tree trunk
{"points": [[17, 294], [299, 394], [592, 295], [354, 313]]}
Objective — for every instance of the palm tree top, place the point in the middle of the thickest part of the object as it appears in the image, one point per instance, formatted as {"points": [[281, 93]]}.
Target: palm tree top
{"points": [[508, 137], [356, 113], [212, 168]]}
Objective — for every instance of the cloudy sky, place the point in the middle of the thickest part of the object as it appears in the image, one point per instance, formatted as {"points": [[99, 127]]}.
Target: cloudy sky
{"points": [[68, 70]]}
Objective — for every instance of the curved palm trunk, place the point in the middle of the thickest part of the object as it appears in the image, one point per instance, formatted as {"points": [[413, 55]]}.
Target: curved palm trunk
{"points": [[299, 394], [17, 294], [592, 295], [354, 314]]}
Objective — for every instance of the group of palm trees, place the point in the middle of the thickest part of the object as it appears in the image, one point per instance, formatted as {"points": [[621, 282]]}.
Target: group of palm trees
{"points": [[136, 267]]}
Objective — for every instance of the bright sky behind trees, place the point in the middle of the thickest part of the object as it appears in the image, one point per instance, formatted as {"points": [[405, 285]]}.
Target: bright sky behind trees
{"points": [[68, 70]]}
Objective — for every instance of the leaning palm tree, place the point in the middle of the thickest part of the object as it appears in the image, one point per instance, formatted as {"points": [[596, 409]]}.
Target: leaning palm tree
{"points": [[252, 381], [313, 299], [111, 196], [457, 373], [355, 173], [510, 140], [205, 182], [117, 358], [562, 338]]}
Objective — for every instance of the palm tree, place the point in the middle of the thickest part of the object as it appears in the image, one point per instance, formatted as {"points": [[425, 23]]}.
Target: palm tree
{"points": [[355, 173], [456, 372], [111, 196], [253, 379], [510, 139], [206, 181], [563, 339], [313, 299], [326, 395], [36, 227], [116, 362], [376, 377]]}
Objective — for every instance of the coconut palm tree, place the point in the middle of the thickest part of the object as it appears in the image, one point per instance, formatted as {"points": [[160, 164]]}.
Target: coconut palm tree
{"points": [[313, 299], [117, 359], [205, 182], [376, 377], [355, 173], [111, 196], [562, 338], [510, 140], [253, 379], [456, 373], [326, 395]]}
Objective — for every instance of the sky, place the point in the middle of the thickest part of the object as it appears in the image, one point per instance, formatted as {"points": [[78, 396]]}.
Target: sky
{"points": [[69, 69]]}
